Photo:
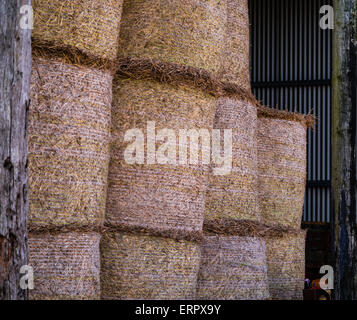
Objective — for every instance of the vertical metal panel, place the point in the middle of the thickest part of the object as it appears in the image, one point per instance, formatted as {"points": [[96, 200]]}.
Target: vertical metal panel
{"points": [[291, 70]]}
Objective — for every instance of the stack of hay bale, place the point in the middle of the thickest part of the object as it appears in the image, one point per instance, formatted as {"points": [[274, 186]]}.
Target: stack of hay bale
{"points": [[282, 175], [155, 207], [233, 257], [74, 45], [101, 164], [253, 246]]}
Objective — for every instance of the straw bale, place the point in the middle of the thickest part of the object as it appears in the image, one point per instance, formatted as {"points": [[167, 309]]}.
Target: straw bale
{"points": [[91, 26], [234, 196], [150, 268], [235, 55], [188, 32], [156, 196], [232, 268], [282, 171], [286, 266], [66, 266], [69, 127]]}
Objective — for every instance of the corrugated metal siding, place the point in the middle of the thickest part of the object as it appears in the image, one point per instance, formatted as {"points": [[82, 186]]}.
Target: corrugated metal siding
{"points": [[291, 70]]}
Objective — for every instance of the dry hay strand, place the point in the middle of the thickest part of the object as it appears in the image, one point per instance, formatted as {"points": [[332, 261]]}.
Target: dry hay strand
{"points": [[71, 55], [282, 171], [66, 266], [234, 195], [157, 196], [194, 236], [235, 55], [286, 266], [91, 26], [150, 268], [69, 127], [182, 75], [180, 31], [232, 268], [244, 228], [307, 120]]}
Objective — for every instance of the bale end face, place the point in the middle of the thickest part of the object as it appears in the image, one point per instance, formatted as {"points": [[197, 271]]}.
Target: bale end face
{"points": [[232, 268], [91, 26], [281, 171], [286, 266], [148, 268], [66, 266], [234, 195], [69, 127]]}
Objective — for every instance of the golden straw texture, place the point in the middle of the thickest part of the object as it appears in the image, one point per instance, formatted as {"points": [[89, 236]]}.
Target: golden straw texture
{"points": [[233, 268], [234, 196], [89, 25], [144, 267], [286, 266], [235, 56], [69, 127], [66, 266], [156, 196], [282, 171], [181, 31]]}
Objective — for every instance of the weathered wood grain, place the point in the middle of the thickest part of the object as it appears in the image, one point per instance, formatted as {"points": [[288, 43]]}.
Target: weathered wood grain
{"points": [[344, 84], [15, 68]]}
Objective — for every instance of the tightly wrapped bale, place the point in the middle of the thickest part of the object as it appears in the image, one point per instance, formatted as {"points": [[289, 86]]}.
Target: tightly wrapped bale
{"points": [[232, 268], [235, 55], [66, 266], [145, 267], [69, 127], [180, 31], [234, 196], [163, 197], [286, 266], [91, 26], [282, 170]]}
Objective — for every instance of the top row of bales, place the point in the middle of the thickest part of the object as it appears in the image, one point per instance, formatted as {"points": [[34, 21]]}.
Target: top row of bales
{"points": [[212, 34]]}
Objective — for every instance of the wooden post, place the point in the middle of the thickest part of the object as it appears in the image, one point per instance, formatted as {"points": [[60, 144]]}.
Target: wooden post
{"points": [[15, 70], [344, 86]]}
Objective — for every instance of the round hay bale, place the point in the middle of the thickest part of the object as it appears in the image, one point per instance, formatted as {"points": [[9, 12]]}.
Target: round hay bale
{"points": [[188, 32], [91, 26], [69, 127], [234, 196], [167, 197], [150, 268], [282, 171], [66, 266], [286, 266], [232, 268], [235, 66]]}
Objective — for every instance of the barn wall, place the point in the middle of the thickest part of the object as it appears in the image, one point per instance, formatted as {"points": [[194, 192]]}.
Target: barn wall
{"points": [[291, 70]]}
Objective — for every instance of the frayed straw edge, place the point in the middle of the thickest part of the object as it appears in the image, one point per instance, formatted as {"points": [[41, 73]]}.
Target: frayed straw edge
{"points": [[110, 228], [71, 55], [166, 72], [308, 120], [223, 227], [246, 228], [149, 69]]}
